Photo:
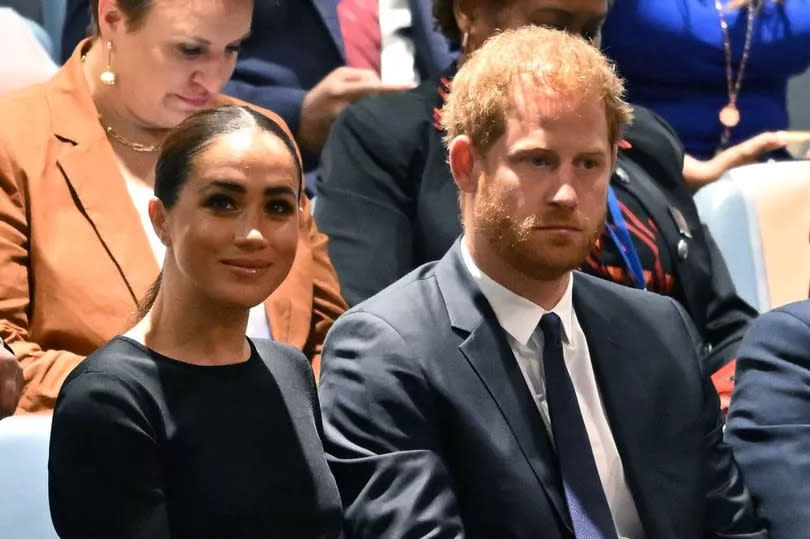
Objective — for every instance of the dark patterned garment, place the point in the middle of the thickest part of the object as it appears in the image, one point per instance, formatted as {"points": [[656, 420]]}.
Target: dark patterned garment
{"points": [[606, 262]]}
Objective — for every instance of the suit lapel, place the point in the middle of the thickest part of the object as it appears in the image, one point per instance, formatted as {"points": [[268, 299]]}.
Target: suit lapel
{"points": [[99, 191], [488, 353], [327, 9], [617, 355]]}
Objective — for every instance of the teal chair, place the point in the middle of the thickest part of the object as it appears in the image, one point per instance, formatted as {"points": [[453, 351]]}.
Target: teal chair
{"points": [[24, 509]]}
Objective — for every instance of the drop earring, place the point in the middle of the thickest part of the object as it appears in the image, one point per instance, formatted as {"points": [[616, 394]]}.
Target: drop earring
{"points": [[108, 77]]}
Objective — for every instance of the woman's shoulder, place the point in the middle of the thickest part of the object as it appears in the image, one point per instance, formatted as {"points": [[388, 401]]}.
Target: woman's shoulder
{"points": [[287, 364], [24, 113], [114, 381], [655, 145], [119, 365]]}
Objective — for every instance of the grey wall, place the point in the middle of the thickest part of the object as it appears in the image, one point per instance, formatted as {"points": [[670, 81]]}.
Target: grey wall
{"points": [[799, 101]]}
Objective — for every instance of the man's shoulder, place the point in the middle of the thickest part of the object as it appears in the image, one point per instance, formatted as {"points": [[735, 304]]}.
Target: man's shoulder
{"points": [[799, 310], [614, 295], [409, 302]]}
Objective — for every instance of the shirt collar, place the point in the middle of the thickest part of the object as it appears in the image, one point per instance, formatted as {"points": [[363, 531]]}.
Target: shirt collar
{"points": [[517, 315]]}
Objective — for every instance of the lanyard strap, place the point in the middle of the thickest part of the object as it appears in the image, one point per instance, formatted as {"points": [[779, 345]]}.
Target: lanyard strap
{"points": [[621, 237]]}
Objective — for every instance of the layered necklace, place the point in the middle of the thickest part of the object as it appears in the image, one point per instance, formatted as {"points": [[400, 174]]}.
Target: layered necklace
{"points": [[730, 114]]}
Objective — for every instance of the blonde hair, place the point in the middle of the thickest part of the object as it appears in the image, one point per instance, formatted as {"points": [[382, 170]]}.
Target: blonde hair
{"points": [[564, 67]]}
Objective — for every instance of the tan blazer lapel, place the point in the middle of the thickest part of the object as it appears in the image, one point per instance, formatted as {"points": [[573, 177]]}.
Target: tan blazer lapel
{"points": [[90, 169], [289, 308]]}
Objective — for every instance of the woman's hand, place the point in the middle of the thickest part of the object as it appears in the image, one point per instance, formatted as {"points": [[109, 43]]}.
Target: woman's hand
{"points": [[11, 382], [699, 173]]}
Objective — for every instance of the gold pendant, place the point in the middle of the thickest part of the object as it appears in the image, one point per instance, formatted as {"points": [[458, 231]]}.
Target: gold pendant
{"points": [[730, 115]]}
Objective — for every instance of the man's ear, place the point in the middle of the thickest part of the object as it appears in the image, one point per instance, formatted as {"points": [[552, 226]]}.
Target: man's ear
{"points": [[462, 157], [159, 217]]}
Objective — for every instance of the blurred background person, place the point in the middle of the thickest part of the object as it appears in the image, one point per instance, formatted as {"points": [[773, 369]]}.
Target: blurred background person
{"points": [[183, 427], [389, 204], [769, 418], [307, 60], [77, 157], [28, 61], [717, 70]]}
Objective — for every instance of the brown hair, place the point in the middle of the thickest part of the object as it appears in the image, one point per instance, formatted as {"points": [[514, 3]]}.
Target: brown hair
{"points": [[135, 12], [564, 67], [187, 141], [446, 19]]}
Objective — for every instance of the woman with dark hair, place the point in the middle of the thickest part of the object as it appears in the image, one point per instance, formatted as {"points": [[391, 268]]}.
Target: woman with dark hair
{"points": [[183, 427], [77, 156], [388, 202]]}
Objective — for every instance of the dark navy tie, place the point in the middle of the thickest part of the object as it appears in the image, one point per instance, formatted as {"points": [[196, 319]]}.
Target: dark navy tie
{"points": [[587, 505]]}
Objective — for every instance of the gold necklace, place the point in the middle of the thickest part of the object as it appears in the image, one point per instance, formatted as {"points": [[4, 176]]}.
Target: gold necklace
{"points": [[112, 133], [135, 146], [730, 115]]}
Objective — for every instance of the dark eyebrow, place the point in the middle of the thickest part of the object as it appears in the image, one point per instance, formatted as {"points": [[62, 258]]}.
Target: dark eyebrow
{"points": [[280, 191], [592, 153], [239, 188]]}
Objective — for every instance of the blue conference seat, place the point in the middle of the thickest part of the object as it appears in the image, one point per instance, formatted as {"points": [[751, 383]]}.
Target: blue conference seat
{"points": [[760, 217], [24, 510]]}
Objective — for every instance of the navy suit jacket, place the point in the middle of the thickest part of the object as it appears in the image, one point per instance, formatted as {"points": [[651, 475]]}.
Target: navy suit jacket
{"points": [[769, 419], [431, 431]]}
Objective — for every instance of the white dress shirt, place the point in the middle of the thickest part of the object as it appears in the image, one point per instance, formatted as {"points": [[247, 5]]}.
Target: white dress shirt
{"points": [[519, 319], [397, 60], [258, 325]]}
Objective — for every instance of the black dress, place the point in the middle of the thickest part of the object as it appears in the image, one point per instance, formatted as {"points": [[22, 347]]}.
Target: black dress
{"points": [[144, 446]]}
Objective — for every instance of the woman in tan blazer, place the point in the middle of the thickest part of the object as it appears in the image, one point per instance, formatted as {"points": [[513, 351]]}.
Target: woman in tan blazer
{"points": [[75, 254]]}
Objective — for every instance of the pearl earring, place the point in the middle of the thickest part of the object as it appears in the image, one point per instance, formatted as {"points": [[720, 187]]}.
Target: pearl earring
{"points": [[108, 77]]}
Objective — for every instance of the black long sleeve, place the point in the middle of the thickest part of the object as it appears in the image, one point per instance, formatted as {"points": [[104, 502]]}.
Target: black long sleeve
{"points": [[143, 446]]}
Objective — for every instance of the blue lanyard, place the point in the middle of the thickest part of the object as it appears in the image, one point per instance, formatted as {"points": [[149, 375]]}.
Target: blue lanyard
{"points": [[621, 237]]}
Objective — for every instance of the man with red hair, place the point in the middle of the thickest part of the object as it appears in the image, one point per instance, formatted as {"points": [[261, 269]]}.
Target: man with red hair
{"points": [[497, 393]]}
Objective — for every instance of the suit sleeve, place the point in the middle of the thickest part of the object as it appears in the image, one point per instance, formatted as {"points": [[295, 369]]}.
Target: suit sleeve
{"points": [[769, 420], [365, 204], [729, 509], [43, 370], [104, 468], [381, 435], [327, 303]]}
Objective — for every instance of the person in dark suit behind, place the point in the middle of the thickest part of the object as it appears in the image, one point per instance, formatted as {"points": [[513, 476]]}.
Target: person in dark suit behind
{"points": [[769, 418], [385, 161], [296, 64], [497, 394]]}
